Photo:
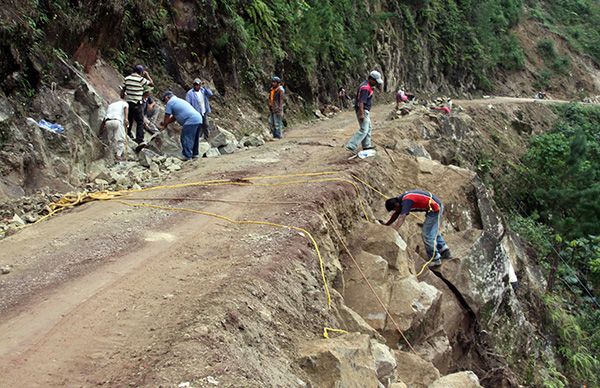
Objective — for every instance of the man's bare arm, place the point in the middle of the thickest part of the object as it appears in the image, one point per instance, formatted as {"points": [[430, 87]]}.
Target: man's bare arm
{"points": [[394, 217], [361, 111], [168, 119]]}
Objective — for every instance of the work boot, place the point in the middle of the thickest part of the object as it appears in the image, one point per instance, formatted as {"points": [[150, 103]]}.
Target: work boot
{"points": [[436, 263], [140, 146], [445, 254]]}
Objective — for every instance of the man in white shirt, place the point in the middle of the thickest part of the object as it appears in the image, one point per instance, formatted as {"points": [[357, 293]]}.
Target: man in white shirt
{"points": [[115, 122]]}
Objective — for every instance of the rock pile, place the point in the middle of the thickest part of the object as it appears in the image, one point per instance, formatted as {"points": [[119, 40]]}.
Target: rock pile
{"points": [[150, 170], [22, 211]]}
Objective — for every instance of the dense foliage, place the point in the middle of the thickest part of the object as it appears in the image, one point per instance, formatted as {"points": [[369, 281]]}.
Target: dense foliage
{"points": [[576, 20], [555, 207], [316, 45], [560, 180]]}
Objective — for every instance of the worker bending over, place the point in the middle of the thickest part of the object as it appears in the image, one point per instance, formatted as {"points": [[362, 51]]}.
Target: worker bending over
{"points": [[422, 201]]}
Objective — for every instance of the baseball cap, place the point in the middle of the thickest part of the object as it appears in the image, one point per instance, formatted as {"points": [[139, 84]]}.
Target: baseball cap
{"points": [[197, 81], [166, 94], [376, 76], [138, 69], [276, 79]]}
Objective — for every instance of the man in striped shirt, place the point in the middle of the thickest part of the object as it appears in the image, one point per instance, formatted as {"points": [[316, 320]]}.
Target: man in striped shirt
{"points": [[134, 87], [422, 201]]}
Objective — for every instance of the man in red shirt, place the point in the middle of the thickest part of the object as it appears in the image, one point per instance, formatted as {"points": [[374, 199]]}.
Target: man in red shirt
{"points": [[362, 106], [422, 201]]}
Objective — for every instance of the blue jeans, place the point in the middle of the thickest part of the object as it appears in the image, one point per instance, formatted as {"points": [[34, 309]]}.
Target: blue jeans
{"points": [[276, 124], [362, 136], [190, 137], [429, 233]]}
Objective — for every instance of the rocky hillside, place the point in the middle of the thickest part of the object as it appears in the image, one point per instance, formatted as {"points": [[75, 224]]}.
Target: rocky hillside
{"points": [[63, 61], [162, 315]]}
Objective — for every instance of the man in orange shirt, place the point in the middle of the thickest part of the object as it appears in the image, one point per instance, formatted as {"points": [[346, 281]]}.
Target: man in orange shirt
{"points": [[276, 107]]}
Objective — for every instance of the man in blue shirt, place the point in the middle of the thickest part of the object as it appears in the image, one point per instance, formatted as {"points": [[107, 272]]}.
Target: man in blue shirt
{"points": [[362, 106], [185, 114], [198, 96]]}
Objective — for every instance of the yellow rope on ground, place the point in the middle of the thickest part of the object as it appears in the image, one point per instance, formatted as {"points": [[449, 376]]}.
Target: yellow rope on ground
{"points": [[74, 199], [245, 222], [326, 331], [204, 183], [369, 186]]}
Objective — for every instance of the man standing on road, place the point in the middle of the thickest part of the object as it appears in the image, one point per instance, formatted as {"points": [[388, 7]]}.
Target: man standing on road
{"points": [[115, 122], [198, 96], [276, 107], [190, 120], [422, 201], [134, 89], [362, 106]]}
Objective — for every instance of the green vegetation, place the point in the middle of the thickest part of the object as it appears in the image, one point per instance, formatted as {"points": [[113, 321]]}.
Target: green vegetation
{"points": [[555, 207], [553, 60], [578, 346], [560, 179], [577, 21]]}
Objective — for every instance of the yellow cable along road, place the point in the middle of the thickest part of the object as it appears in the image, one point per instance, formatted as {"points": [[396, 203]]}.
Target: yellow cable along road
{"points": [[245, 222], [71, 200]]}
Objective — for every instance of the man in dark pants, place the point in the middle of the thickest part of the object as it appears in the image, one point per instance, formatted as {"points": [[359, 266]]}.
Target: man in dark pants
{"points": [[198, 97], [276, 96], [422, 201], [134, 87]]}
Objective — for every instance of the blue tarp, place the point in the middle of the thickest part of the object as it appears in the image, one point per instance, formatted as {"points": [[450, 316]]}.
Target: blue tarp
{"points": [[52, 127]]}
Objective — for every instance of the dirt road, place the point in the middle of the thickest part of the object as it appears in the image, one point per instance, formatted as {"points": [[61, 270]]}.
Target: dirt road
{"points": [[107, 293], [94, 290]]}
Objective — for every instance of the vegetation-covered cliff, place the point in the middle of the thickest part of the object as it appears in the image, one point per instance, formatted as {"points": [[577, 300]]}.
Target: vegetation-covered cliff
{"points": [[317, 46]]}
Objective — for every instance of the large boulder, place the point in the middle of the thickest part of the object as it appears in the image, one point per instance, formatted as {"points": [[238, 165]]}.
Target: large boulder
{"points": [[344, 361], [220, 137], [414, 371], [385, 242], [465, 379], [350, 320], [414, 306], [252, 140], [357, 293], [203, 148], [438, 351], [385, 363], [481, 271]]}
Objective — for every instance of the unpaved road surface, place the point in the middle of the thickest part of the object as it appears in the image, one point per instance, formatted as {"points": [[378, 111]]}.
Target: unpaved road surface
{"points": [[93, 289], [98, 294]]}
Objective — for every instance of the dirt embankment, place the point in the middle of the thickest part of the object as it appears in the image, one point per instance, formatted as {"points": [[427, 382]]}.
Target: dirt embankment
{"points": [[116, 294]]}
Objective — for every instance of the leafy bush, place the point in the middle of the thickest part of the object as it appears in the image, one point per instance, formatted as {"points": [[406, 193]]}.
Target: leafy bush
{"points": [[538, 234], [577, 20], [561, 180], [556, 190], [546, 49], [574, 341]]}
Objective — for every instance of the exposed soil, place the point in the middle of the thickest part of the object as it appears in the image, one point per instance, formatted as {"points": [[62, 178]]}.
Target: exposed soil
{"points": [[117, 295]]}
